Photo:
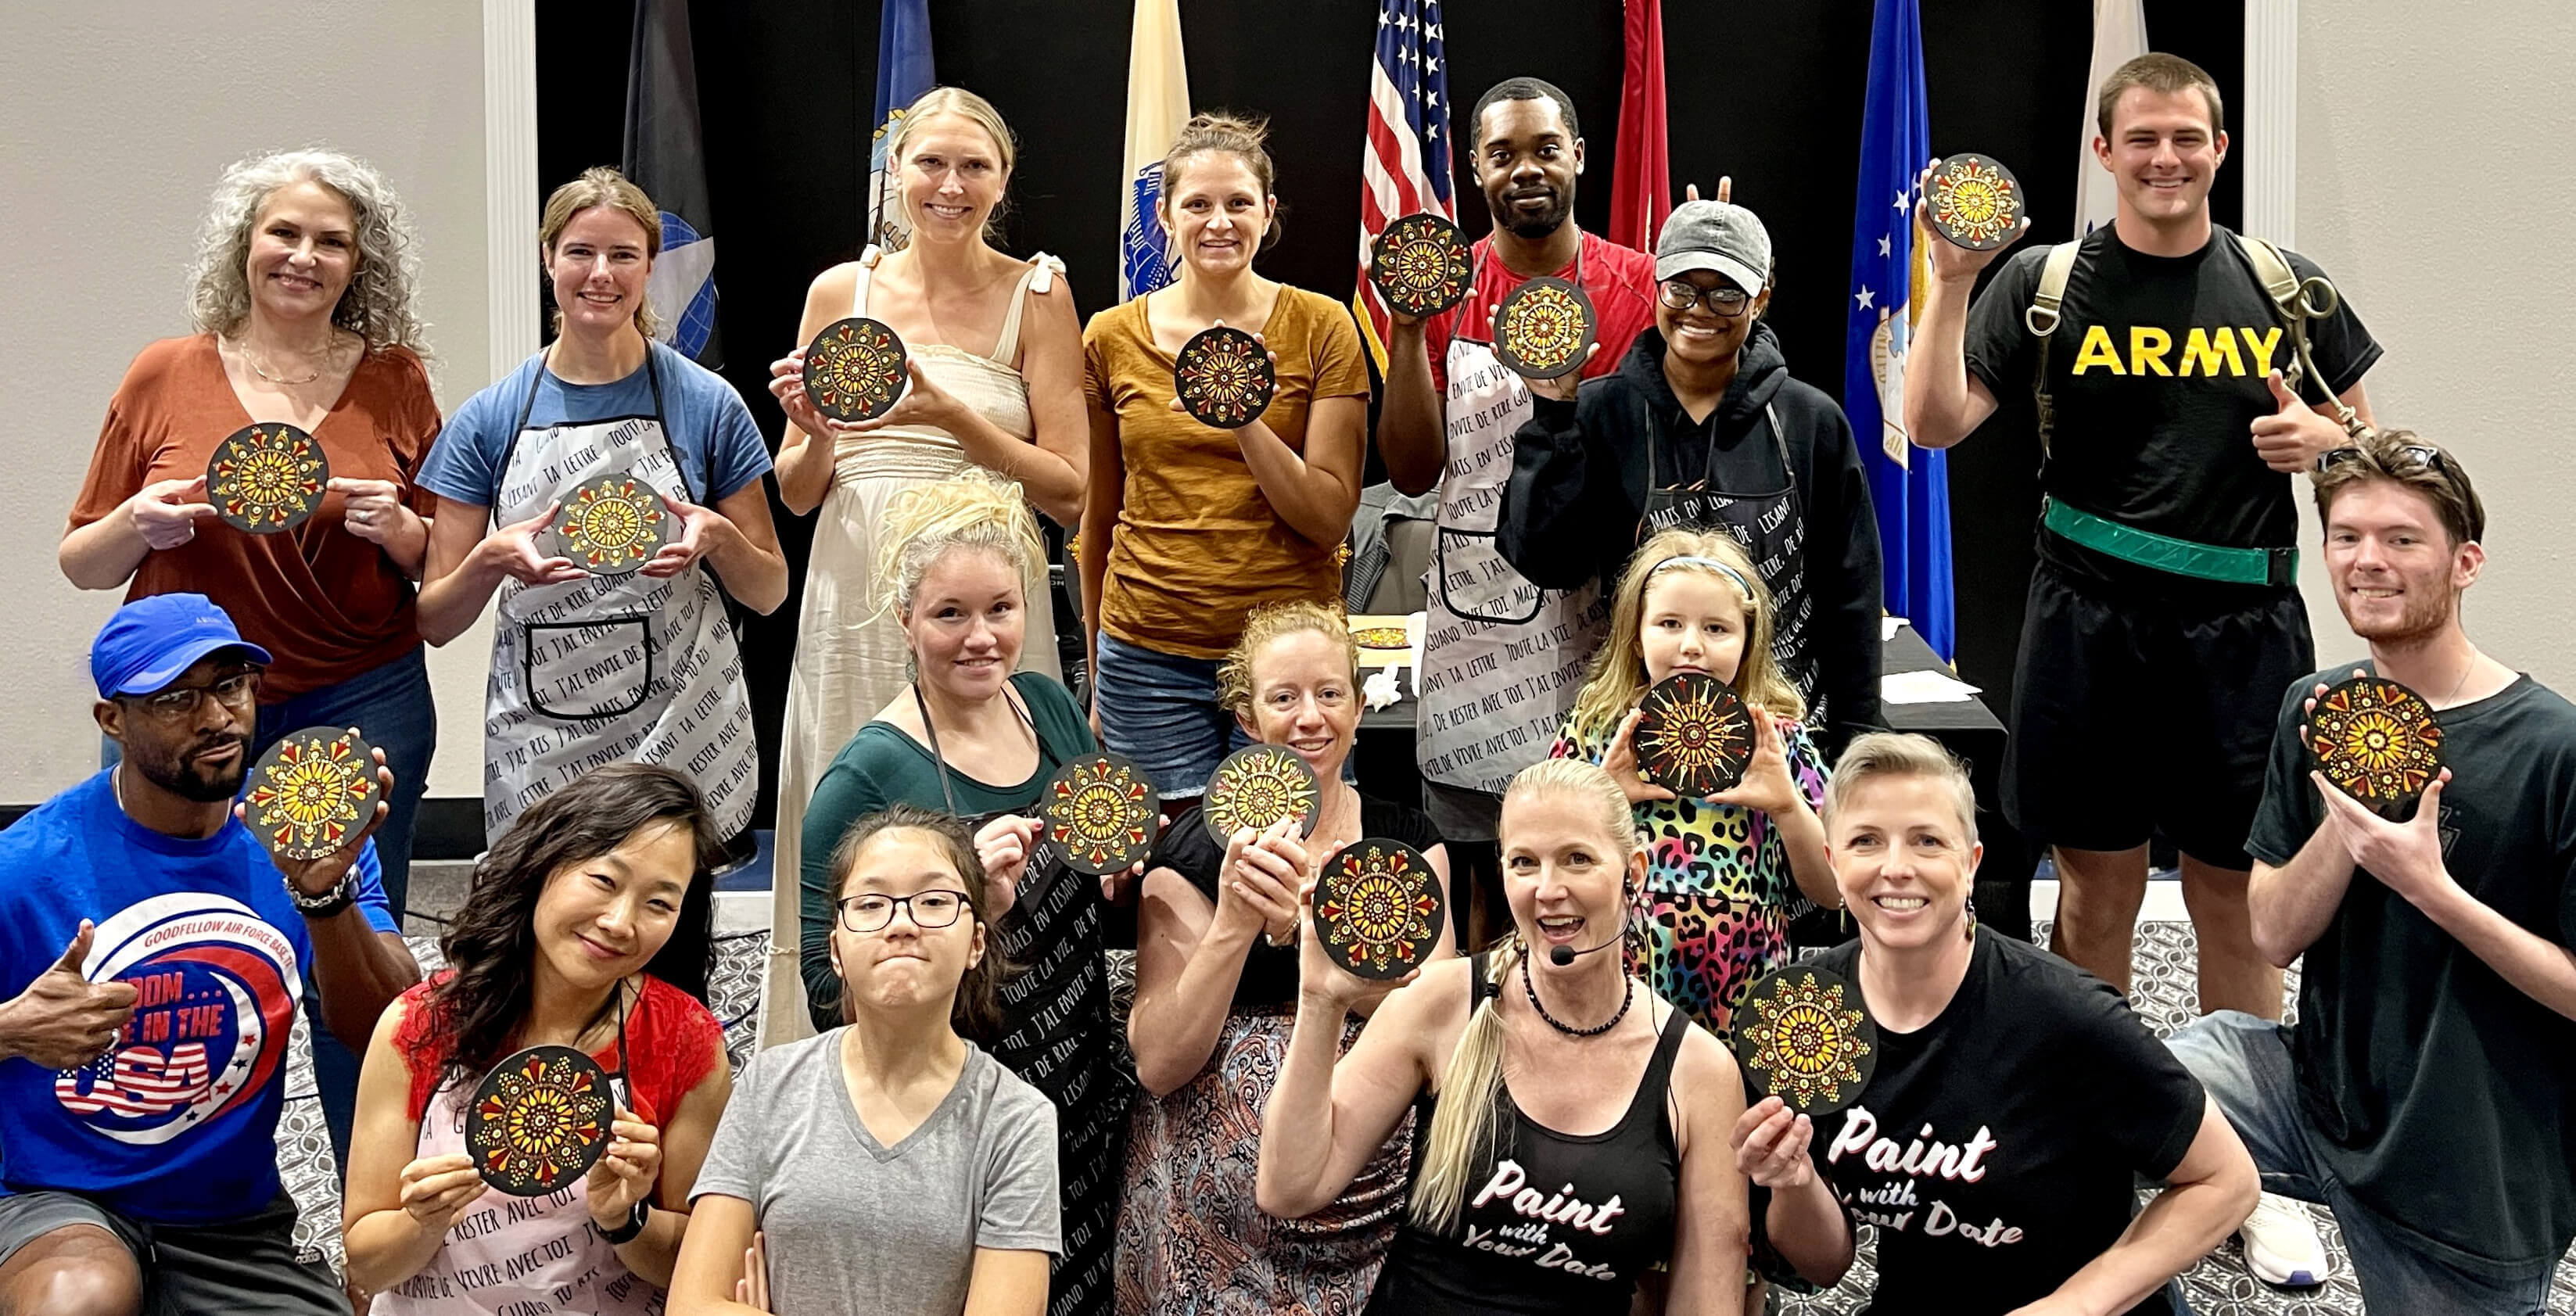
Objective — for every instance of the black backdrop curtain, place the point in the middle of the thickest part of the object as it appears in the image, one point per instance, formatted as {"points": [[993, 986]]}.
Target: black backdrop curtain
{"points": [[1770, 93]]}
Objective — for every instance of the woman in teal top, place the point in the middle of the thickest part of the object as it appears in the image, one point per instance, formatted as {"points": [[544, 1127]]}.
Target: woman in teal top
{"points": [[968, 737]]}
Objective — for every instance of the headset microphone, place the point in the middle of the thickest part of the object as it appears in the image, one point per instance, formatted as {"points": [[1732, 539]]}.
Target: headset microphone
{"points": [[1561, 956]]}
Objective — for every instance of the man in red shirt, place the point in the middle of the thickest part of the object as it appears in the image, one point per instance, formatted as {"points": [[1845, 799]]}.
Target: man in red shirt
{"points": [[1502, 658]]}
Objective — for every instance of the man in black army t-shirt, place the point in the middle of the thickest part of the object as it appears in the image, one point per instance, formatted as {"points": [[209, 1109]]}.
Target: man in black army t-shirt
{"points": [[2428, 1092], [2145, 692]]}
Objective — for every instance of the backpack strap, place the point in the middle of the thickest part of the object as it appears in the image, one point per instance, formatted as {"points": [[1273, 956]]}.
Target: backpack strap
{"points": [[2041, 319], [2299, 302]]}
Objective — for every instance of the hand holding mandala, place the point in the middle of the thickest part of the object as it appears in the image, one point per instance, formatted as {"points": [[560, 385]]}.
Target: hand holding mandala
{"points": [[627, 1172]]}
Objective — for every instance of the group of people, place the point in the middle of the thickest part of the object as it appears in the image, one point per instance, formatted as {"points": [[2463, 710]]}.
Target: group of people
{"points": [[949, 1114]]}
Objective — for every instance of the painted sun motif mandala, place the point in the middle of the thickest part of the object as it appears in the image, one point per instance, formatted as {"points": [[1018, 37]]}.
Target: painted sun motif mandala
{"points": [[1100, 812], [1382, 637], [1258, 785], [1695, 737], [1974, 201], [1421, 265], [267, 478], [854, 369], [1543, 328], [539, 1120], [1378, 908], [1224, 377], [312, 792], [611, 525], [2377, 741], [1804, 1037]]}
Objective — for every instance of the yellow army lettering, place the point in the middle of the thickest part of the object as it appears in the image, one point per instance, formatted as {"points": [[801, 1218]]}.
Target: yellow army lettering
{"points": [[2204, 351]]}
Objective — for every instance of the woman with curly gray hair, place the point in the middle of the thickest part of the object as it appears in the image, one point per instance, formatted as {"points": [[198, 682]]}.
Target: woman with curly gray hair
{"points": [[302, 299]]}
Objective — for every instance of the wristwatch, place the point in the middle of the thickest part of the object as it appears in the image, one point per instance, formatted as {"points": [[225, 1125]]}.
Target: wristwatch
{"points": [[328, 903], [635, 1218]]}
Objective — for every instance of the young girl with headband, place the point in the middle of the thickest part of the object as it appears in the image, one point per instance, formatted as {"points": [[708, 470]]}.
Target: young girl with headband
{"points": [[1723, 872]]}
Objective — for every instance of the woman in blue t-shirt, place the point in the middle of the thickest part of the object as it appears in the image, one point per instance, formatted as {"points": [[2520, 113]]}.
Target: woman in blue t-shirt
{"points": [[591, 488]]}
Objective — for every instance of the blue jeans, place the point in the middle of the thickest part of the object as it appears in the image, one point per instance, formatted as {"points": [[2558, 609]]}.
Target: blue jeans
{"points": [[2244, 1061], [1161, 710]]}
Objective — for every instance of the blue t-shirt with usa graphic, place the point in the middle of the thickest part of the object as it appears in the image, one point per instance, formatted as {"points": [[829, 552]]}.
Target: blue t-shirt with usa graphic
{"points": [[177, 1123]]}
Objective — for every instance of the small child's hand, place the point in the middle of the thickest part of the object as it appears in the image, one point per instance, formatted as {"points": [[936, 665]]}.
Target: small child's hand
{"points": [[1621, 764], [1766, 784]]}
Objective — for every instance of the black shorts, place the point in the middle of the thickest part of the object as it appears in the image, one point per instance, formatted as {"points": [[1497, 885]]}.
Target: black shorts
{"points": [[2138, 716], [228, 1268]]}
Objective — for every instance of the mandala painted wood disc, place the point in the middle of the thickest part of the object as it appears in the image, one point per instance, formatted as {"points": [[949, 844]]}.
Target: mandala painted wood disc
{"points": [[1421, 265], [312, 792], [1379, 908], [1804, 1036], [1258, 785], [1224, 377], [1695, 737], [1543, 328], [266, 478], [1382, 637], [610, 526], [539, 1120], [854, 369], [1100, 812], [2377, 741], [1974, 201]]}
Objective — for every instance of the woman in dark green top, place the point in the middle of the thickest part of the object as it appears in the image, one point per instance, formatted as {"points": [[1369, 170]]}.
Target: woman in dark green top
{"points": [[972, 739]]}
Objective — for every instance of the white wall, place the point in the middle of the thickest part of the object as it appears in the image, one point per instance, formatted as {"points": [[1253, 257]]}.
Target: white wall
{"points": [[116, 116], [2434, 187]]}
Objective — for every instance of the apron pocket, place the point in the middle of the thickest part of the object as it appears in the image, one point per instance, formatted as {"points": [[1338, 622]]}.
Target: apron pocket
{"points": [[1478, 584], [586, 670]]}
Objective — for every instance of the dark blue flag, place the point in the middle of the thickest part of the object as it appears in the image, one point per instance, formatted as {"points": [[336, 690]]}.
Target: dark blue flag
{"points": [[1909, 486], [903, 74], [666, 156]]}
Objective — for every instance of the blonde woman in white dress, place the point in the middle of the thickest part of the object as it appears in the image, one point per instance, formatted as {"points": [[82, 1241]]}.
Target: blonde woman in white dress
{"points": [[996, 364]]}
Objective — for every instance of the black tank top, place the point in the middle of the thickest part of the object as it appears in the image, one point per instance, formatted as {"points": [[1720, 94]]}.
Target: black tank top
{"points": [[1556, 1223]]}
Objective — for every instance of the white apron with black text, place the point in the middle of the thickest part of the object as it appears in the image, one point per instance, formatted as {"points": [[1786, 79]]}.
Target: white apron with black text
{"points": [[1502, 659], [1772, 526], [610, 669]]}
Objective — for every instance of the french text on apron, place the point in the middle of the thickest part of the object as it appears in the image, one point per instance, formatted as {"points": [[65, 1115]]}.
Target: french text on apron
{"points": [[610, 669], [1772, 527], [1502, 659]]}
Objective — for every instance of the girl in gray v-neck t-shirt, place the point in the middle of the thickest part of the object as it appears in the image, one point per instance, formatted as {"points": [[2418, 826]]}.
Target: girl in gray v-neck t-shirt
{"points": [[854, 1226]]}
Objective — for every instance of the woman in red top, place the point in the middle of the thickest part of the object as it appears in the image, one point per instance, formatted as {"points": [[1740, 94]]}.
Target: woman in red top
{"points": [[598, 901], [302, 298]]}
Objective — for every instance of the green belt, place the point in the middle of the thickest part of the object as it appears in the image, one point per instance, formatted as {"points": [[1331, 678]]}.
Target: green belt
{"points": [[2181, 557]]}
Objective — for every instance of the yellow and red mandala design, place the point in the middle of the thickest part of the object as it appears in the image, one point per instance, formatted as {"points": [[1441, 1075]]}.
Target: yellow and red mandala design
{"points": [[1803, 1042], [267, 478], [2376, 740], [312, 792], [539, 1120], [1378, 908], [612, 525], [1101, 811]]}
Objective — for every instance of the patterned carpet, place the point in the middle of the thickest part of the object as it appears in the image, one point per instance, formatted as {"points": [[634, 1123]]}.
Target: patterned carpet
{"points": [[2219, 1286]]}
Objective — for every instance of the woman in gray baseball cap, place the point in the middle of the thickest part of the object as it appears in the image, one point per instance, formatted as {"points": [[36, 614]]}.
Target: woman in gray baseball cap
{"points": [[1701, 426]]}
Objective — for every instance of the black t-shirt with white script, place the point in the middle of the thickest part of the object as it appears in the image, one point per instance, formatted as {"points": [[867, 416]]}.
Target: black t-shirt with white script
{"points": [[2156, 372], [2439, 1094], [1997, 1149]]}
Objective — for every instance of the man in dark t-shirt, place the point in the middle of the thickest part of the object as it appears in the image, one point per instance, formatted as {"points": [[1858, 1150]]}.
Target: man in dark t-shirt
{"points": [[2428, 1092], [2164, 615]]}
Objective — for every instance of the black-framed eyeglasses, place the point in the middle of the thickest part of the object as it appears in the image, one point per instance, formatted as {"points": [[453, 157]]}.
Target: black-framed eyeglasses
{"points": [[2430, 459], [935, 908], [237, 690], [1724, 299]]}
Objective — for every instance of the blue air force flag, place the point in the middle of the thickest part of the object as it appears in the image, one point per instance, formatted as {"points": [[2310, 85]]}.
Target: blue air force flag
{"points": [[666, 156]]}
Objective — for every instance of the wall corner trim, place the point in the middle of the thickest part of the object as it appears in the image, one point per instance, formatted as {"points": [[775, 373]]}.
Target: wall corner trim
{"points": [[2271, 120], [510, 178]]}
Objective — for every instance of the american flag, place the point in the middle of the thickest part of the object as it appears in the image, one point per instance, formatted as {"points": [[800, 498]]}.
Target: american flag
{"points": [[1405, 169]]}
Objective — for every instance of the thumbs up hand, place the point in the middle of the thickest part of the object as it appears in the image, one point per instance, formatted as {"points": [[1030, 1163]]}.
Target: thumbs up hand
{"points": [[64, 1020], [2290, 438]]}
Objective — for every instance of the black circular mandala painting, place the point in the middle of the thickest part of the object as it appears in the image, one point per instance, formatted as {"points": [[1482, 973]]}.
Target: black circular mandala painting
{"points": [[609, 526], [1544, 328], [1224, 377], [1974, 201], [2377, 741], [312, 792], [1379, 908], [1421, 265], [1100, 811], [266, 478], [1695, 737], [1804, 1036], [854, 369], [1258, 785], [539, 1120]]}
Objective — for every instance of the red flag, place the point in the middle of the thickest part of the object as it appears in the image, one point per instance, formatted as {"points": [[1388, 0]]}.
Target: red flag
{"points": [[1641, 190]]}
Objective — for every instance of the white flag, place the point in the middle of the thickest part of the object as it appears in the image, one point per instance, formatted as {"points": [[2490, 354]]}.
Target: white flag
{"points": [[1158, 106], [2119, 35]]}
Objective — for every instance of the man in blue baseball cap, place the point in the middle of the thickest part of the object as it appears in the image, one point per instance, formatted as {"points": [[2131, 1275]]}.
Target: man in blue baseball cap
{"points": [[152, 957]]}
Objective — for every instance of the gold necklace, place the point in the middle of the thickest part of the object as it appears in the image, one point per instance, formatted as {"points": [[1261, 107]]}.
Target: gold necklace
{"points": [[242, 346]]}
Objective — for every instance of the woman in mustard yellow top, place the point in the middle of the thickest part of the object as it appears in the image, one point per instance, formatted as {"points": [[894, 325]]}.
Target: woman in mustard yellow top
{"points": [[1186, 528]]}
